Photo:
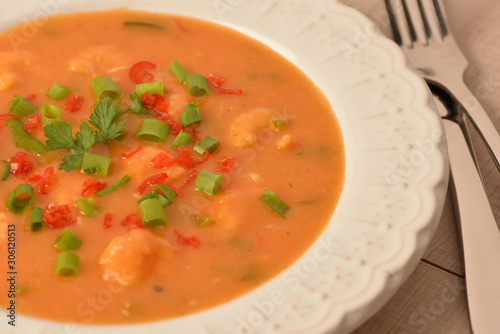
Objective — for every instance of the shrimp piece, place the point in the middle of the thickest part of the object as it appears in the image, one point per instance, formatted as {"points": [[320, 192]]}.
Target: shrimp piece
{"points": [[177, 97], [284, 143], [9, 61], [128, 259], [232, 209], [139, 167], [245, 128], [98, 60]]}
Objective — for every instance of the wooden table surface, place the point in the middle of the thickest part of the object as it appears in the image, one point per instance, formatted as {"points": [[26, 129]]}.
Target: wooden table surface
{"points": [[433, 300]]}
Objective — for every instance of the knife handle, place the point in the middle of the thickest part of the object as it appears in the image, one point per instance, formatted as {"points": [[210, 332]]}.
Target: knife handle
{"points": [[479, 233]]}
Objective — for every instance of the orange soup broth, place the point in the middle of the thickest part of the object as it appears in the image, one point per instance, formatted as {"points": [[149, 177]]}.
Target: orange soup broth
{"points": [[234, 256]]}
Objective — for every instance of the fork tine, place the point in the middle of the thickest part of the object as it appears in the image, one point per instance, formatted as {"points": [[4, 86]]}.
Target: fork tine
{"points": [[417, 20], [399, 24], [435, 17]]}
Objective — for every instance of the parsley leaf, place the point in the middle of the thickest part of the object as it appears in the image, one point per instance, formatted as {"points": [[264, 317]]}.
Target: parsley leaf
{"points": [[60, 136], [72, 161], [105, 112], [85, 137]]}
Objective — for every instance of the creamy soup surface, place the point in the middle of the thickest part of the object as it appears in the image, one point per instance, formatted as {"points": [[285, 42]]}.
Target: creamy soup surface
{"points": [[190, 223]]}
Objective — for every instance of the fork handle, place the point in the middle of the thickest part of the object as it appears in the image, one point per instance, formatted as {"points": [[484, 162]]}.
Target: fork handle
{"points": [[479, 233], [479, 119]]}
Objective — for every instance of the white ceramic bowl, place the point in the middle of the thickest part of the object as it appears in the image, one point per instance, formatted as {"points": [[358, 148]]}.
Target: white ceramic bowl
{"points": [[396, 167]]}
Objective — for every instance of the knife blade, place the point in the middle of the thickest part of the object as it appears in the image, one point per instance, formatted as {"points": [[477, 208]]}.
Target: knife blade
{"points": [[480, 237]]}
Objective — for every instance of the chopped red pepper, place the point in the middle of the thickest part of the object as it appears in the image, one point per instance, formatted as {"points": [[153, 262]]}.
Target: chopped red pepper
{"points": [[19, 165], [205, 157], [58, 216], [176, 127], [141, 72], [90, 187], [156, 103], [162, 160], [126, 155], [215, 80], [133, 221], [194, 133], [187, 241], [229, 91], [46, 181], [151, 181], [33, 122], [30, 97], [108, 218], [34, 178], [225, 164], [74, 103]]}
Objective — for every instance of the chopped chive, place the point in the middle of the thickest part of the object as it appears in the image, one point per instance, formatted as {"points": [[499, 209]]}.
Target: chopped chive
{"points": [[122, 182], [206, 143], [104, 87], [209, 183], [152, 212], [179, 71], [182, 139], [23, 138], [95, 164], [68, 240], [50, 114], [36, 221], [58, 92], [197, 85], [150, 88], [137, 107], [67, 264], [274, 202], [6, 172], [153, 130], [144, 24], [203, 220], [19, 199], [20, 107], [191, 115], [165, 191], [280, 124], [87, 206]]}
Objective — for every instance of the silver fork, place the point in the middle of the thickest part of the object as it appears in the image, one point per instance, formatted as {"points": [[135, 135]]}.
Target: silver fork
{"points": [[420, 28]]}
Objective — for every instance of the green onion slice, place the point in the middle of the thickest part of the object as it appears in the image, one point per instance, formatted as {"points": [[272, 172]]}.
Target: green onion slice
{"points": [[6, 172], [153, 130], [164, 201], [95, 164], [137, 107], [271, 200], [58, 92], [68, 240], [144, 24], [121, 183], [197, 85], [67, 264], [87, 206], [104, 87], [206, 143], [50, 114], [152, 212], [23, 138], [191, 115], [36, 221], [209, 183], [179, 71], [20, 107], [203, 220], [165, 191], [280, 124], [182, 139], [150, 88], [19, 199]]}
